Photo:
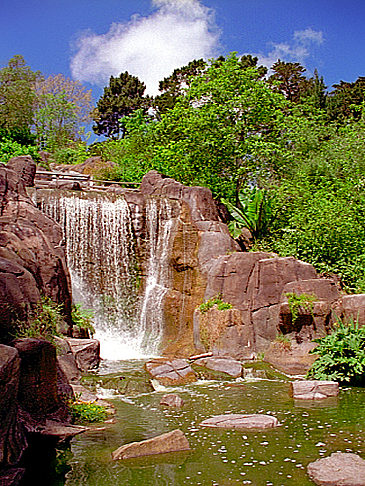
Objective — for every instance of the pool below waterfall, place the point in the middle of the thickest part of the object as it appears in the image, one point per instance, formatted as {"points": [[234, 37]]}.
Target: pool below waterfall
{"points": [[309, 430]]}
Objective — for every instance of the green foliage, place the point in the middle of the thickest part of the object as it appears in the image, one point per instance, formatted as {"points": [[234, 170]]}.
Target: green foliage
{"points": [[82, 319], [75, 153], [341, 355], [43, 322], [87, 412], [283, 341], [255, 213], [214, 301], [300, 301], [10, 148], [121, 98]]}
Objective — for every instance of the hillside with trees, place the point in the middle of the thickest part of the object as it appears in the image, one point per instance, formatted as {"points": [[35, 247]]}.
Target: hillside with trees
{"points": [[285, 154]]}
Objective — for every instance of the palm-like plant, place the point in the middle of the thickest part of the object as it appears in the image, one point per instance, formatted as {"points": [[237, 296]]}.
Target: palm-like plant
{"points": [[255, 212]]}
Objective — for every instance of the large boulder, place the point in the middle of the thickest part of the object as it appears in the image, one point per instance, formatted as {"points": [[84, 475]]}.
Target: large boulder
{"points": [[32, 257], [86, 353], [12, 434], [25, 167], [228, 366], [338, 469], [353, 307], [173, 441]]}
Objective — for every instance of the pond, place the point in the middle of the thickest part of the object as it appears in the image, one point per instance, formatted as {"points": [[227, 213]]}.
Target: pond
{"points": [[309, 430]]}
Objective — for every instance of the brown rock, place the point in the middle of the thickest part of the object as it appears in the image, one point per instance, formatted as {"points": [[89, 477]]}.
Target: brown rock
{"points": [[25, 167], [313, 389], [12, 435], [338, 469], [293, 361], [12, 476], [38, 377], [353, 306], [86, 352], [174, 372], [67, 361], [172, 400], [239, 421], [173, 441], [228, 366]]}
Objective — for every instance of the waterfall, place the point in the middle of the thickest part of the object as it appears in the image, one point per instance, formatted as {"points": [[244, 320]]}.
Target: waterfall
{"points": [[101, 251]]}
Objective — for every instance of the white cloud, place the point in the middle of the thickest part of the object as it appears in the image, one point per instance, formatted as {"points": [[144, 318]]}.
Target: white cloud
{"points": [[298, 50], [148, 47]]}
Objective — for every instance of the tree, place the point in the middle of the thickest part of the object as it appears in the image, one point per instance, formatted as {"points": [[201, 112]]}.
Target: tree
{"points": [[288, 79], [346, 99], [123, 96], [223, 132], [17, 96], [62, 106], [173, 86]]}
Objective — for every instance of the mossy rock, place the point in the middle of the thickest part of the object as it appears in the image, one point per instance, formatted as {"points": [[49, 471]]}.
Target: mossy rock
{"points": [[269, 372], [128, 384]]}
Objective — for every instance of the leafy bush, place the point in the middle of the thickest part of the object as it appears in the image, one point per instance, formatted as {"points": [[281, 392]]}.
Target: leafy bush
{"points": [[341, 354], [43, 321], [10, 148], [82, 319], [87, 412], [221, 305], [74, 154], [283, 341], [300, 301]]}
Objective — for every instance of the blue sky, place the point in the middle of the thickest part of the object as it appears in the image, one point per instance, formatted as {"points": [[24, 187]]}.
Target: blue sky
{"points": [[92, 39]]}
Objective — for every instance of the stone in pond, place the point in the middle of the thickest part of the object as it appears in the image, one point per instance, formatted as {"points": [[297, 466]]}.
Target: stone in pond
{"points": [[173, 441], [171, 372], [338, 469], [229, 366], [313, 389], [240, 421], [172, 400]]}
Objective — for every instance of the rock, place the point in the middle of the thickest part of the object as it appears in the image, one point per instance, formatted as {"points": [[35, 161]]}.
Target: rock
{"points": [[223, 332], [173, 441], [32, 257], [239, 421], [12, 435], [228, 366], [38, 377], [12, 476], [25, 167], [312, 389], [58, 432], [86, 352], [293, 361], [172, 400], [66, 361], [353, 306], [174, 372], [338, 469]]}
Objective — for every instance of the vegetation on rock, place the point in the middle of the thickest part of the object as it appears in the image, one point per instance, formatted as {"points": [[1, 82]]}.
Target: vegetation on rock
{"points": [[215, 301], [300, 301], [341, 354]]}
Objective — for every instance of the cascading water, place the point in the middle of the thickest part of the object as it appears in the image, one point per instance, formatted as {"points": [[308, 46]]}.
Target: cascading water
{"points": [[105, 274]]}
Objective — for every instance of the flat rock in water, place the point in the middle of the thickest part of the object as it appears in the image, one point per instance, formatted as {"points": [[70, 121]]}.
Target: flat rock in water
{"points": [[171, 372], [173, 441], [59, 431], [338, 469], [313, 389], [172, 400], [239, 421], [230, 366]]}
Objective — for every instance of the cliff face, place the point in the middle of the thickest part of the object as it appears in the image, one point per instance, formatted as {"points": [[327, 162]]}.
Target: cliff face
{"points": [[32, 260]]}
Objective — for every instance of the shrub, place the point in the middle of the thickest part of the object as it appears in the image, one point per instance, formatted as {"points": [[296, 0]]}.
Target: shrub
{"points": [[300, 301], [87, 412], [10, 148], [341, 354], [43, 321], [221, 305], [283, 341], [82, 319]]}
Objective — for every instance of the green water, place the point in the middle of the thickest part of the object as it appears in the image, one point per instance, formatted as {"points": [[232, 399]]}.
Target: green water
{"points": [[308, 431]]}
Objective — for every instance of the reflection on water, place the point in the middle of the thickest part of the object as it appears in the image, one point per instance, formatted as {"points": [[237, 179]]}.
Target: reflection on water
{"points": [[220, 457]]}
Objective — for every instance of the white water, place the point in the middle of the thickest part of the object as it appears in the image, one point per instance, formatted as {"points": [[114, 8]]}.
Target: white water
{"points": [[101, 256]]}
